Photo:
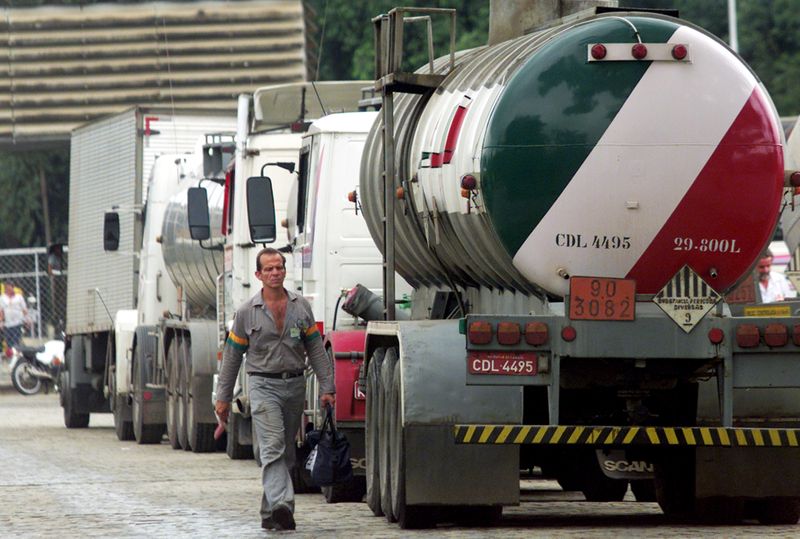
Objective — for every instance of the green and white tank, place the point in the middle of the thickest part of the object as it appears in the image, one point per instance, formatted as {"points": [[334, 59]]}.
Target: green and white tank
{"points": [[587, 161]]}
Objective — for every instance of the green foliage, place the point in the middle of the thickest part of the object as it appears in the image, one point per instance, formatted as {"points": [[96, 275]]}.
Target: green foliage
{"points": [[347, 48], [22, 223]]}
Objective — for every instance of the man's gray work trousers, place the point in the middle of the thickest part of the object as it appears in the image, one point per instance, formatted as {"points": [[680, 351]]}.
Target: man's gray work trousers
{"points": [[276, 406]]}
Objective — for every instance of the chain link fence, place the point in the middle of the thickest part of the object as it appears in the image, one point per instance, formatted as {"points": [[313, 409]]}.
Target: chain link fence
{"points": [[45, 292]]}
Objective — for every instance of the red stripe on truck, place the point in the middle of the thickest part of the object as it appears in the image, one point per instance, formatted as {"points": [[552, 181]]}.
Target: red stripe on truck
{"points": [[714, 212]]}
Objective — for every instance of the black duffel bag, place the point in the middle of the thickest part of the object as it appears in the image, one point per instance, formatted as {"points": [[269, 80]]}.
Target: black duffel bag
{"points": [[329, 460]]}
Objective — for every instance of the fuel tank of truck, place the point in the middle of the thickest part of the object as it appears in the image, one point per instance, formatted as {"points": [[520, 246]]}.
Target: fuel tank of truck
{"points": [[623, 145], [193, 265]]}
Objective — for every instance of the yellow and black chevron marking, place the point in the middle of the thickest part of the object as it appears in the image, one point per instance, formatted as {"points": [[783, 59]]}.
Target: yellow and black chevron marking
{"points": [[626, 436]]}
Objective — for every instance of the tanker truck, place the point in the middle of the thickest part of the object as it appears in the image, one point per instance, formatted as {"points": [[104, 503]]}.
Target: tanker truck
{"points": [[109, 164], [583, 196]]}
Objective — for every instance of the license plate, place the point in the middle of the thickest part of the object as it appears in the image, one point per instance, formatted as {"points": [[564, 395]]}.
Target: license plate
{"points": [[601, 298], [505, 363]]}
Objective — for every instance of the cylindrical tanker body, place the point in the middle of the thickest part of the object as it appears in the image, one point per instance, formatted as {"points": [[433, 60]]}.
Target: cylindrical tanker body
{"points": [[194, 266], [534, 161]]}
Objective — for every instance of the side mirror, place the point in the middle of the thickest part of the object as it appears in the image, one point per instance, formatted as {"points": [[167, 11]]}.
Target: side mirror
{"points": [[261, 209], [111, 231], [197, 213]]}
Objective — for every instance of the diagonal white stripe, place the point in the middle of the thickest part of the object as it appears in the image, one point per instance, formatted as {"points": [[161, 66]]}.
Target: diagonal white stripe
{"points": [[643, 165]]}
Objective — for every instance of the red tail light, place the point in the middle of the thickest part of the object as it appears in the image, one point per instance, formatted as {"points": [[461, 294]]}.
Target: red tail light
{"points": [[776, 335], [568, 333], [679, 52], [508, 333], [599, 51], [480, 332], [716, 335], [747, 336], [536, 333], [147, 395], [796, 335], [639, 51]]}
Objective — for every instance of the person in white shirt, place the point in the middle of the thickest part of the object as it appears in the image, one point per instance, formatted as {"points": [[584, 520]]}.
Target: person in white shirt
{"points": [[772, 285], [13, 313]]}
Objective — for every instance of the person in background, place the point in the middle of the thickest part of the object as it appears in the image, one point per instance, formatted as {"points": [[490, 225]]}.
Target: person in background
{"points": [[772, 285], [13, 314], [277, 330]]}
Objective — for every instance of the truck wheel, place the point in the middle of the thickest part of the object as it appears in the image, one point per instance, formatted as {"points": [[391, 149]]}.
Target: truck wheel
{"points": [[233, 448], [183, 391], [409, 517], [349, 492], [72, 419], [644, 490], [173, 395], [201, 435], [720, 510], [674, 483], [142, 432], [773, 511], [122, 428], [371, 433], [596, 487], [387, 374]]}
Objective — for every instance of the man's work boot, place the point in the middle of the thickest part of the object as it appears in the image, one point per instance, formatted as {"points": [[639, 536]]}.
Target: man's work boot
{"points": [[282, 516]]}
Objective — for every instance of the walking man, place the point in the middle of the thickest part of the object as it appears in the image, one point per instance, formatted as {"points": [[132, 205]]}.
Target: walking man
{"points": [[277, 330]]}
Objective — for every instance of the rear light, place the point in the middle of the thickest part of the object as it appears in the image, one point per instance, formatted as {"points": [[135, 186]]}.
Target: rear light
{"points": [[469, 182], [679, 52], [508, 333], [639, 51], [56, 361], [400, 193], [716, 335], [776, 335], [568, 333], [147, 395], [599, 51], [796, 334], [352, 196], [536, 333], [747, 336], [479, 333]]}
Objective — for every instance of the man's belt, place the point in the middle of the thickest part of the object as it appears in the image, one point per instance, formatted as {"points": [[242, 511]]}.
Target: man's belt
{"points": [[281, 375]]}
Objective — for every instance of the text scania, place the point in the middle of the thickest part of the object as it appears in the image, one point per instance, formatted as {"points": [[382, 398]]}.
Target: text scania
{"points": [[580, 241], [625, 466]]}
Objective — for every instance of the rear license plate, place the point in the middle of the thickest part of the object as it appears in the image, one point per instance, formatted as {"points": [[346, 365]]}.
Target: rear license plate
{"points": [[505, 363], [601, 298]]}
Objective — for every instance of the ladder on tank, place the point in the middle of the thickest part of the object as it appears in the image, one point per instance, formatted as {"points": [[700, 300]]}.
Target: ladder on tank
{"points": [[390, 78]]}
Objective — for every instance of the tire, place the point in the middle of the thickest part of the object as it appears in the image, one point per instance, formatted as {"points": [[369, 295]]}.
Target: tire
{"points": [[233, 448], [720, 510], [22, 379], [143, 433], [350, 492], [122, 427], [387, 374], [596, 487], [183, 436], [372, 432], [72, 419], [173, 395], [778, 511], [644, 490], [674, 484], [408, 517]]}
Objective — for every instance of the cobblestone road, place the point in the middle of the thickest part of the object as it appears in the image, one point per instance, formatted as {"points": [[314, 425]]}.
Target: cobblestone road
{"points": [[56, 482]]}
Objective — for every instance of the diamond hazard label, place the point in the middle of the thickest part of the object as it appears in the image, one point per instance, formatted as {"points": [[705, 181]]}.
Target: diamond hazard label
{"points": [[687, 298]]}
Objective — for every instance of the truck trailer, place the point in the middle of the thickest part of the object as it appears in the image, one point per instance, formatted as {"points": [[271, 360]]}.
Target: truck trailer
{"points": [[110, 162], [581, 198]]}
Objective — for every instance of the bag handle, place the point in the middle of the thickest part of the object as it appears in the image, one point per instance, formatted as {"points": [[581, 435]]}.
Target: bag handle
{"points": [[329, 420]]}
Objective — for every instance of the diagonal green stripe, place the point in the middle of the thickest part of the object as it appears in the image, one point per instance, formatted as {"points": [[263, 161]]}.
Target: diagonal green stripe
{"points": [[552, 114]]}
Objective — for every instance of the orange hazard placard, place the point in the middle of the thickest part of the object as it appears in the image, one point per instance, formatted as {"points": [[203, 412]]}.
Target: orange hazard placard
{"points": [[601, 298]]}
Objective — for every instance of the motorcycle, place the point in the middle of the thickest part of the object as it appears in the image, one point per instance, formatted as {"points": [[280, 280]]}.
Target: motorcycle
{"points": [[37, 368]]}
